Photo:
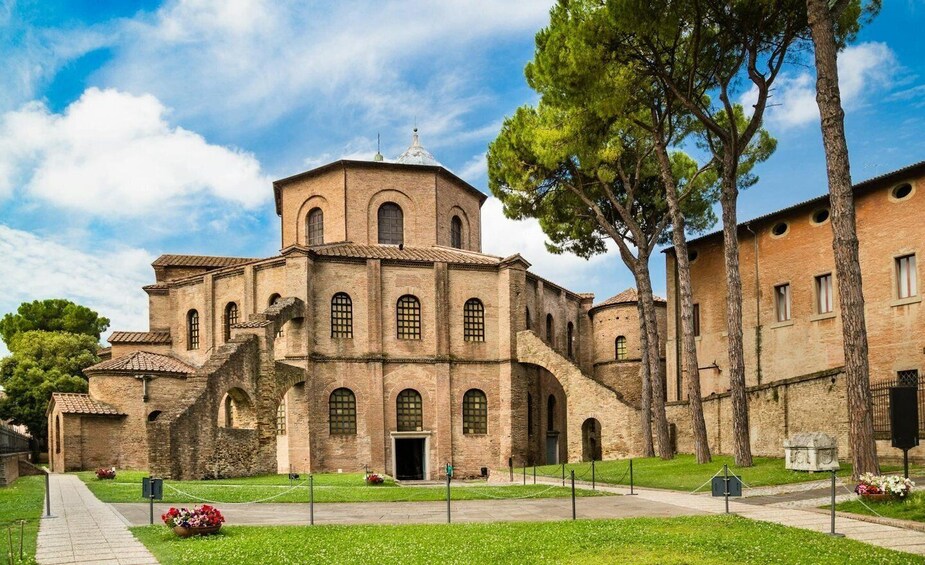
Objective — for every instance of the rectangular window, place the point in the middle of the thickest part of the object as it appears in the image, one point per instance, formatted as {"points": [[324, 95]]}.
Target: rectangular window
{"points": [[907, 284], [824, 294], [696, 320], [782, 302]]}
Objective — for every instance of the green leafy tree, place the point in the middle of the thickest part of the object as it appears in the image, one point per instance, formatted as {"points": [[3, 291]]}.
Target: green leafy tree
{"points": [[589, 180], [52, 315], [42, 363]]}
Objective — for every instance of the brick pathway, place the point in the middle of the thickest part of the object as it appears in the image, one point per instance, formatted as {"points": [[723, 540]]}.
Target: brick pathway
{"points": [[85, 530]]}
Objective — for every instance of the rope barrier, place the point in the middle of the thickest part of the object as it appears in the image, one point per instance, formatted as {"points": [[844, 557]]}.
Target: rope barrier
{"points": [[706, 482], [193, 496], [860, 498]]}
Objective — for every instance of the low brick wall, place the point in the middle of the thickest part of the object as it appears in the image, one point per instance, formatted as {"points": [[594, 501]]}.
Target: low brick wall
{"points": [[14, 465], [811, 403]]}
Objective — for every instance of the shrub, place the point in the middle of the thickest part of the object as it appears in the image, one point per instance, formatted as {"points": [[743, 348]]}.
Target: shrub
{"points": [[106, 473], [374, 479]]}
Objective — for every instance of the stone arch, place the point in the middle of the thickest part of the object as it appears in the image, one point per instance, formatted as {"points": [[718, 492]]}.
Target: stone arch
{"points": [[590, 440], [236, 410], [301, 218], [411, 219], [584, 398]]}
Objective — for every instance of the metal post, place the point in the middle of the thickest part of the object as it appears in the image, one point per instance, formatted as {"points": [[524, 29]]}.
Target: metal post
{"points": [[151, 507], [525, 473], [534, 473], [631, 479], [726, 486], [563, 473], [9, 535], [906, 463], [47, 494], [448, 479], [832, 531], [593, 478], [510, 466], [311, 499], [573, 494], [22, 526]]}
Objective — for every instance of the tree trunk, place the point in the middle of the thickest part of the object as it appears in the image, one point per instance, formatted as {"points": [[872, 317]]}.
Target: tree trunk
{"points": [[689, 346], [741, 445], [845, 241], [644, 295], [645, 412]]}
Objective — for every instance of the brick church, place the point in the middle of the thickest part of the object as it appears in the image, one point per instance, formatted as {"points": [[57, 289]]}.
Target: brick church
{"points": [[380, 336]]}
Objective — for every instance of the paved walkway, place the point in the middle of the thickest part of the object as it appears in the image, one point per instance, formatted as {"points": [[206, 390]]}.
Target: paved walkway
{"points": [[523, 510], [85, 530]]}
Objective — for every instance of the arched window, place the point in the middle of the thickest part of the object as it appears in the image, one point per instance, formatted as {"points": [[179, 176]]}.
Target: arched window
{"points": [[274, 298], [315, 227], [231, 318], [58, 433], [529, 321], [551, 413], [391, 224], [474, 320], [620, 345], [229, 411], [408, 317], [456, 232], [192, 330], [342, 409], [529, 414], [281, 418], [475, 412], [550, 334], [341, 315], [153, 415], [569, 336], [409, 411]]}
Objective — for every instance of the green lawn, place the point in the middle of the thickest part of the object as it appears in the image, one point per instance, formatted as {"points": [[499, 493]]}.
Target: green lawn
{"points": [[335, 487], [22, 500], [683, 472], [912, 508], [710, 540]]}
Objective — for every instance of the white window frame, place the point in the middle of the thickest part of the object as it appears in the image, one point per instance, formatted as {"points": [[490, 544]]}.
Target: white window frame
{"points": [[906, 276], [782, 310], [825, 296]]}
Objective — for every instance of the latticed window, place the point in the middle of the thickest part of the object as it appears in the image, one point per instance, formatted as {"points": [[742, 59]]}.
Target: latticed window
{"points": [[391, 224], [474, 320], [192, 330], [475, 412], [231, 318], [281, 418], [316, 227], [620, 344], [342, 408], [456, 232], [410, 411], [907, 378], [341, 315], [408, 317]]}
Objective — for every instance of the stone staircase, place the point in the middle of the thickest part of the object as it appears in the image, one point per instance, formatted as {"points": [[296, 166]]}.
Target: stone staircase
{"points": [[586, 398]]}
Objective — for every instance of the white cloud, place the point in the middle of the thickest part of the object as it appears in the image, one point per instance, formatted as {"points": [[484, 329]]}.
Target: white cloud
{"points": [[863, 71], [114, 154], [475, 169], [248, 62], [502, 236], [34, 268]]}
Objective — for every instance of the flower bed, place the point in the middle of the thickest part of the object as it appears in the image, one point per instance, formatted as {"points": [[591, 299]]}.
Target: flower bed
{"points": [[106, 474], [883, 487], [201, 520], [374, 479]]}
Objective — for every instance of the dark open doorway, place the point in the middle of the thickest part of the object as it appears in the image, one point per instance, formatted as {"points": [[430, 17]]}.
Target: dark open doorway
{"points": [[409, 459]]}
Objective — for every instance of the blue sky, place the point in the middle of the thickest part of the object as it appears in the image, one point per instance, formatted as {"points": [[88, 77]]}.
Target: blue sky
{"points": [[129, 129]]}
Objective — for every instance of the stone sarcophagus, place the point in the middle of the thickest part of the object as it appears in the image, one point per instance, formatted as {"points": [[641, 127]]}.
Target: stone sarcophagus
{"points": [[811, 451]]}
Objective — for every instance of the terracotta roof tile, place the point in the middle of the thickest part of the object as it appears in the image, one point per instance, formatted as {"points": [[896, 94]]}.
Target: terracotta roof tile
{"points": [[77, 403], [392, 252], [140, 337], [199, 261], [142, 362], [628, 296]]}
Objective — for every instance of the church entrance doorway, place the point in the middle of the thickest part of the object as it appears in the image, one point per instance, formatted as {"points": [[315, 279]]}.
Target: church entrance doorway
{"points": [[409, 457]]}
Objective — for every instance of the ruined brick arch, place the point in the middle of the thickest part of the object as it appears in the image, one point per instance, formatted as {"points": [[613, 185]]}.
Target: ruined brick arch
{"points": [[236, 410], [286, 309]]}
